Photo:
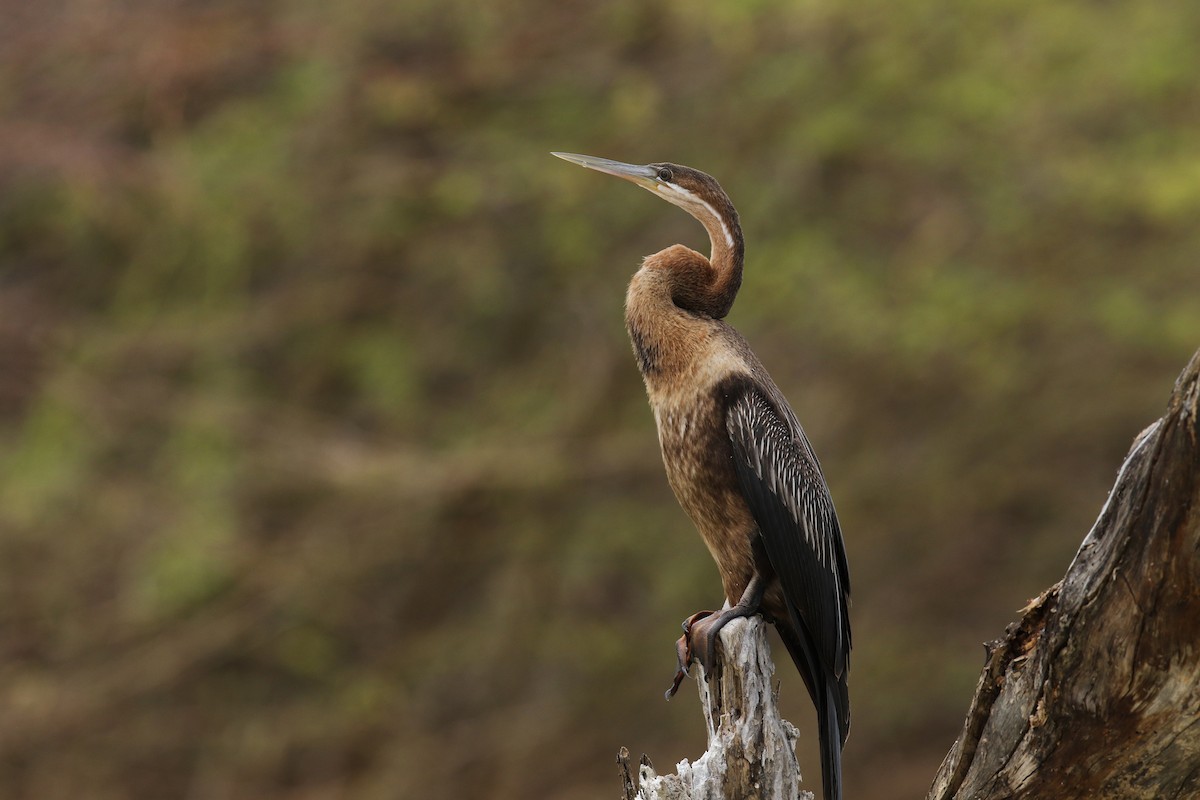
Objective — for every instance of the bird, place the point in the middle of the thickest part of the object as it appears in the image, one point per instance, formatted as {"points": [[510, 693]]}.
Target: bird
{"points": [[735, 455]]}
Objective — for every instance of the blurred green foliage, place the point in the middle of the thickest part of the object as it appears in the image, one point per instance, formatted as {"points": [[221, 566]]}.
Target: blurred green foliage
{"points": [[324, 467]]}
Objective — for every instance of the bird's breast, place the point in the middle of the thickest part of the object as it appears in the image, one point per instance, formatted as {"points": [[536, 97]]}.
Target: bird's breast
{"points": [[698, 456]]}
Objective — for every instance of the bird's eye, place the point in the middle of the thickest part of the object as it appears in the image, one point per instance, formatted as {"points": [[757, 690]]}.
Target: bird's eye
{"points": [[664, 174]]}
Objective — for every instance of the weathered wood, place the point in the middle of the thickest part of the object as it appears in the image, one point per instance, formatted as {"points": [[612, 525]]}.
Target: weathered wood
{"points": [[751, 749], [1096, 691]]}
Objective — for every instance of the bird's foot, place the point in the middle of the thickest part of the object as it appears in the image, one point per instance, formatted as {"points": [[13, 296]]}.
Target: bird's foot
{"points": [[685, 651], [702, 628]]}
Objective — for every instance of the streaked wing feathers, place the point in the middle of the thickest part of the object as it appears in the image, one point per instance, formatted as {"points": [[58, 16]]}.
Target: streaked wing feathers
{"points": [[786, 492]]}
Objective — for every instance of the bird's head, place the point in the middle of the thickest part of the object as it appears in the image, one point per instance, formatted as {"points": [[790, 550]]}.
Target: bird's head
{"points": [[696, 192]]}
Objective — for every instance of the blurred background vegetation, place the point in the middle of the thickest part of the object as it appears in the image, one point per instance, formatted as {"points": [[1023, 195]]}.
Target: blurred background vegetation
{"points": [[326, 471]]}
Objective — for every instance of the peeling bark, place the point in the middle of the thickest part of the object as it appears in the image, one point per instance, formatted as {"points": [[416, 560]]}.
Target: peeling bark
{"points": [[1096, 691], [751, 749]]}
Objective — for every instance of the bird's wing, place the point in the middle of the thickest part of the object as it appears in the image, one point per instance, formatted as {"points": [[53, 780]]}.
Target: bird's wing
{"points": [[786, 492]]}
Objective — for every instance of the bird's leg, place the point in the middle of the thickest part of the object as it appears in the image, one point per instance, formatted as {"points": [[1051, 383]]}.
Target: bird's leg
{"points": [[704, 631], [700, 632]]}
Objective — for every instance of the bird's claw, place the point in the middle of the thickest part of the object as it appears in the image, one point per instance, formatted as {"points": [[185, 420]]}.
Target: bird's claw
{"points": [[678, 679], [684, 652]]}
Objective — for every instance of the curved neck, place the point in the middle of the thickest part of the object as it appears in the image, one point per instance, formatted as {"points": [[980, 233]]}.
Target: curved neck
{"points": [[709, 286], [727, 253]]}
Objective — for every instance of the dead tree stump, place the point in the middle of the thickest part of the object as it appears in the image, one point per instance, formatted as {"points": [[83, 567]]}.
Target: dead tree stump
{"points": [[751, 749], [1096, 691]]}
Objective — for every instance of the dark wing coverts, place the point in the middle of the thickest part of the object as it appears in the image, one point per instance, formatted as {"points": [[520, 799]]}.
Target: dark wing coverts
{"points": [[786, 492]]}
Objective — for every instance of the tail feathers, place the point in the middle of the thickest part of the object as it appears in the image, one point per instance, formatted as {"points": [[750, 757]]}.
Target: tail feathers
{"points": [[839, 696], [831, 699], [831, 745]]}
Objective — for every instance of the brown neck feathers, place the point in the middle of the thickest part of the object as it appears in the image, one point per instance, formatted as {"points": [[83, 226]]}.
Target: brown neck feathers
{"points": [[710, 285]]}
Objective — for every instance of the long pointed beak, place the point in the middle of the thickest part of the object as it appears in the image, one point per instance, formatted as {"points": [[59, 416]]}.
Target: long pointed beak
{"points": [[646, 177]]}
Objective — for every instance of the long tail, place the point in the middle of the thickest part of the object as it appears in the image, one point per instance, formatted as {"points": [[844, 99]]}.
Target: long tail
{"points": [[831, 699], [831, 746]]}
